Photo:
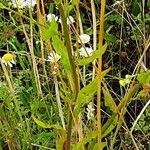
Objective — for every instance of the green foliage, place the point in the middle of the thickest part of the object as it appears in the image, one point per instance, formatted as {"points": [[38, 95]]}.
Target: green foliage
{"points": [[96, 54], [50, 30], [136, 7], [144, 77], [126, 30], [144, 122], [62, 51], [127, 80], [115, 18], [109, 125], [85, 95], [109, 102]]}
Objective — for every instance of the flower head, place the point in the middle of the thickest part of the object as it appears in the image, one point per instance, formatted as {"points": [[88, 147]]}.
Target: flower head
{"points": [[84, 38], [23, 3], [53, 57], [8, 59], [90, 111], [85, 51], [70, 20], [52, 16]]}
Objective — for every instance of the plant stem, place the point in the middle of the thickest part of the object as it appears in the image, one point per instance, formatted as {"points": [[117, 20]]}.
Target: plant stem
{"points": [[94, 34], [7, 77], [59, 103], [101, 32], [72, 76], [30, 45]]}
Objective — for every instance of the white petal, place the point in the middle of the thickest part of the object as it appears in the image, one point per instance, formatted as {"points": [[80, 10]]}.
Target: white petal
{"points": [[10, 64], [6, 63], [85, 51], [84, 38], [12, 61]]}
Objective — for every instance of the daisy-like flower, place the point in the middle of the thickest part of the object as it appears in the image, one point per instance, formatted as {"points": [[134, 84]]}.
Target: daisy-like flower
{"points": [[84, 38], [53, 57], [52, 16], [90, 111], [8, 59], [85, 51], [23, 3], [70, 20]]}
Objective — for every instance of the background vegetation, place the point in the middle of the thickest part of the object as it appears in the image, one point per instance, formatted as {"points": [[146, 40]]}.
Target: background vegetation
{"points": [[66, 91]]}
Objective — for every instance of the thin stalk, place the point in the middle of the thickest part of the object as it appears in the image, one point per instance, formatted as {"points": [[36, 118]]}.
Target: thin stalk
{"points": [[59, 103], [30, 45], [99, 73], [138, 117], [79, 28], [7, 77], [94, 33]]}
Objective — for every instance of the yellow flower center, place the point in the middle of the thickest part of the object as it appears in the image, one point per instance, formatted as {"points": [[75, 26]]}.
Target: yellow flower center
{"points": [[8, 57]]}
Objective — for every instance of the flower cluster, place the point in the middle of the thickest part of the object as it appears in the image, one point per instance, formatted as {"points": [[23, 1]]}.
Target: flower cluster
{"points": [[23, 3], [85, 51], [50, 16]]}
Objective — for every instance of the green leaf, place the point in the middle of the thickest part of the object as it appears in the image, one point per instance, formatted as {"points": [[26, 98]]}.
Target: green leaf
{"points": [[59, 47], [46, 126], [114, 18], [96, 54], [60, 141], [85, 95], [110, 38], [109, 102], [74, 2], [2, 6], [144, 77], [50, 30], [127, 80], [58, 1], [136, 8], [109, 125], [104, 144], [92, 135]]}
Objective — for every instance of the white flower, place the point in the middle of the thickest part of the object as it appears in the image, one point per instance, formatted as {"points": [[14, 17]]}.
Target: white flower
{"points": [[53, 57], [90, 111], [84, 38], [52, 16], [70, 20], [8, 59], [23, 3], [85, 51]]}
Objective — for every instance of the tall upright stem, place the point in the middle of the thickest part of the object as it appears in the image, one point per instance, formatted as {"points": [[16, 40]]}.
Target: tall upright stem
{"points": [[73, 77], [101, 33]]}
